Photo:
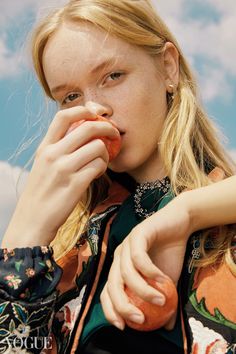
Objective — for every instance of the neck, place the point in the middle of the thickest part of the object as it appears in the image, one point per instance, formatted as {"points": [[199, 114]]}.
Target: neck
{"points": [[153, 173]]}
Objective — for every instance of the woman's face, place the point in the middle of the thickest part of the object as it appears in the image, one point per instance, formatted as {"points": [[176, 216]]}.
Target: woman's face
{"points": [[85, 66]]}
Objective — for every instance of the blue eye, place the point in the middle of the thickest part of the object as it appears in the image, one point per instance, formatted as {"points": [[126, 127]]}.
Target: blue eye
{"points": [[70, 98], [115, 76]]}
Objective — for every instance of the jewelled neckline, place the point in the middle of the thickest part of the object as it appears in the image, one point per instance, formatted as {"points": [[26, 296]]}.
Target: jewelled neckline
{"points": [[162, 185]]}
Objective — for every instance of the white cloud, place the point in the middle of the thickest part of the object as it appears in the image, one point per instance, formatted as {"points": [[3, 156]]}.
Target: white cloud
{"points": [[224, 7], [10, 63], [202, 37], [13, 9], [169, 8], [12, 181], [16, 14], [207, 39], [213, 84], [10, 11]]}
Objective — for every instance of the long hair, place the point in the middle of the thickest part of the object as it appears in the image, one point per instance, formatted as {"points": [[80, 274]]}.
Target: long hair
{"points": [[189, 145]]}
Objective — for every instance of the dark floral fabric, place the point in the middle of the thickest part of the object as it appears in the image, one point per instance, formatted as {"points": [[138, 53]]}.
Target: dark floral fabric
{"points": [[28, 280], [29, 273], [24, 326]]}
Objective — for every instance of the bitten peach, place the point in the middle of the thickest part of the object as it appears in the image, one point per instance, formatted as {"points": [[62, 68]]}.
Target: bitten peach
{"points": [[113, 145], [155, 316]]}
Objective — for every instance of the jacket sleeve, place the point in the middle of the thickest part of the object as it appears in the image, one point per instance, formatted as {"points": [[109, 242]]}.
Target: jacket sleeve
{"points": [[28, 281]]}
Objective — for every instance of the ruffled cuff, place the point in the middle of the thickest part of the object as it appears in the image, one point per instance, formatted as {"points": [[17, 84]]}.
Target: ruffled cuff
{"points": [[28, 273]]}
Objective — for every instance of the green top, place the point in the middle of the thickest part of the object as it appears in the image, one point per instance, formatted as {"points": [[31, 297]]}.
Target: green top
{"points": [[123, 223]]}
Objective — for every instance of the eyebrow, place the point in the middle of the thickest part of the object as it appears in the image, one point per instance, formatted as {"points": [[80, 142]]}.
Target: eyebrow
{"points": [[59, 88], [103, 65], [106, 63]]}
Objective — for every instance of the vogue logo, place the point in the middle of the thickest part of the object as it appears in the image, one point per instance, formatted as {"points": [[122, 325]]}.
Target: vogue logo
{"points": [[18, 343]]}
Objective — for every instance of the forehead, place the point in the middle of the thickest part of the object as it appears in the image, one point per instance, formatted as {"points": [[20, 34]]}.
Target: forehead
{"points": [[83, 45]]}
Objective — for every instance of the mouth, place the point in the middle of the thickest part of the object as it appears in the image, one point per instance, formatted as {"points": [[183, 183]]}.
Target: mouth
{"points": [[119, 130]]}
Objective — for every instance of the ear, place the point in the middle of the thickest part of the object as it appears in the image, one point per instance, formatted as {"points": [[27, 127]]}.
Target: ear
{"points": [[170, 57]]}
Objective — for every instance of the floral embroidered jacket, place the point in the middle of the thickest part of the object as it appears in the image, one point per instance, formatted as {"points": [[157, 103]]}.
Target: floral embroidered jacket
{"points": [[43, 304]]}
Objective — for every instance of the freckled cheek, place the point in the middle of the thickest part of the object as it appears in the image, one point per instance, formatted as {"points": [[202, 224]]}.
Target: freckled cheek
{"points": [[133, 105], [139, 111]]}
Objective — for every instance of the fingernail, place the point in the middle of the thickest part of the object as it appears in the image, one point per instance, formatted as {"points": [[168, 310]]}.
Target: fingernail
{"points": [[136, 318], [117, 132], [118, 325], [159, 300]]}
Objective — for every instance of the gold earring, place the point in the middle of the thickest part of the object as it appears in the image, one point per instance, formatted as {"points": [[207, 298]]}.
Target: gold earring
{"points": [[172, 91]]}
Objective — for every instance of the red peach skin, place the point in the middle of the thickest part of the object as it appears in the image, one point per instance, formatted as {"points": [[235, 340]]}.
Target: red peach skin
{"points": [[155, 316]]}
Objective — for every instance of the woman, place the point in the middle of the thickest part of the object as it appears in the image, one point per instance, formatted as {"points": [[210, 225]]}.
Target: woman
{"points": [[117, 60]]}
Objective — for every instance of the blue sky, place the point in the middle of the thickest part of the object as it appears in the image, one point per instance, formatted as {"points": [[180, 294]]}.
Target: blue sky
{"points": [[205, 30]]}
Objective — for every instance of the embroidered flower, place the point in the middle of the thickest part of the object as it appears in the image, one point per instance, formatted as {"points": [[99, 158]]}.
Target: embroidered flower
{"points": [[206, 340], [44, 249], [11, 252], [217, 347], [8, 252], [50, 266], [26, 294], [30, 272], [13, 281], [70, 311], [5, 255], [94, 238], [22, 331]]}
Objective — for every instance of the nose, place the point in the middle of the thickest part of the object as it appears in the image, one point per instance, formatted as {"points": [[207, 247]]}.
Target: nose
{"points": [[99, 109]]}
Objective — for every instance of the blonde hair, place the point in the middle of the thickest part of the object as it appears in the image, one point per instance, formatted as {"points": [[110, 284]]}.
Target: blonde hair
{"points": [[189, 145]]}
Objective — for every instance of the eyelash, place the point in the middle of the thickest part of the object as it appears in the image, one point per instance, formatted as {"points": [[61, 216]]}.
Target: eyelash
{"points": [[115, 73], [64, 102], [71, 94]]}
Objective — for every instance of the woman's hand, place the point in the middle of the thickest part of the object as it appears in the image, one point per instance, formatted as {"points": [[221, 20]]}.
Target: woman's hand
{"points": [[64, 167], [154, 248]]}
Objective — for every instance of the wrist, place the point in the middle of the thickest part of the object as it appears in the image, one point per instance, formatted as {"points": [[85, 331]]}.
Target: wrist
{"points": [[191, 204], [25, 242], [19, 238], [185, 204], [24, 232]]}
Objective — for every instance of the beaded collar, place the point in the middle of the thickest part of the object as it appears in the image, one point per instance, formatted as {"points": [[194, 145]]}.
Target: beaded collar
{"points": [[162, 186]]}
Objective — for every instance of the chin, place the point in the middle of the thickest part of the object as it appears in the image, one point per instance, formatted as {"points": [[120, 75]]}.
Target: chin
{"points": [[116, 168], [119, 165], [127, 163]]}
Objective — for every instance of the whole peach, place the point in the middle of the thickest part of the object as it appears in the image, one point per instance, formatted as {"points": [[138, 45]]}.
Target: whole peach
{"points": [[156, 316]]}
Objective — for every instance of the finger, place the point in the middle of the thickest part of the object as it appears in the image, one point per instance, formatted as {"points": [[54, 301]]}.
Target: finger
{"points": [[109, 311], [62, 121], [135, 281], [88, 173], [140, 241], [76, 184], [73, 162], [84, 133], [120, 301]]}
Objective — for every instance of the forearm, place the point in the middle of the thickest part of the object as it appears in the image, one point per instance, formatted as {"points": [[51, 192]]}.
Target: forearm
{"points": [[212, 205]]}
